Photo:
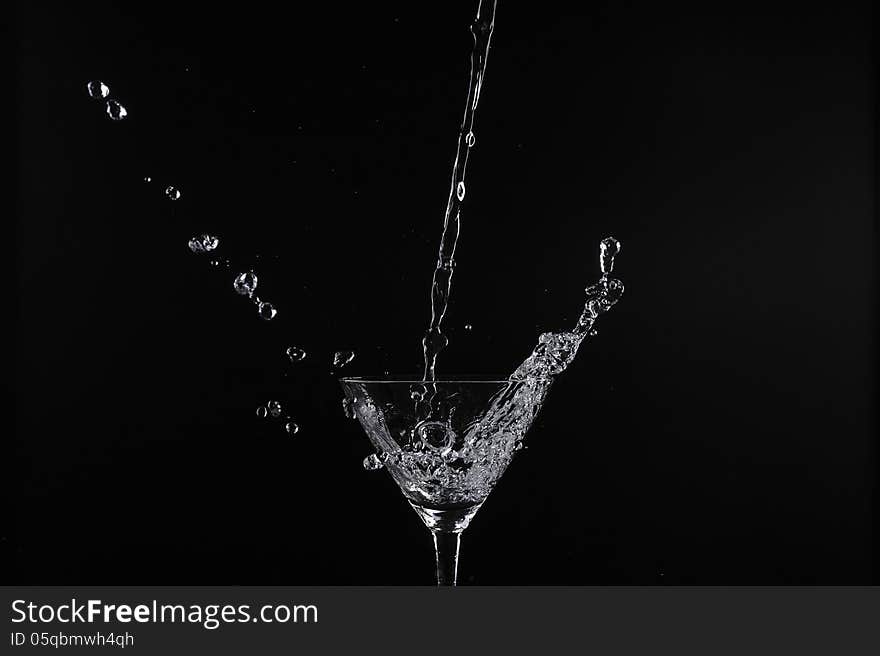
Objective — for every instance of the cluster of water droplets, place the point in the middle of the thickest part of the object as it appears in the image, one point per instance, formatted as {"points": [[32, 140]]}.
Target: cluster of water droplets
{"points": [[556, 351], [100, 91], [274, 410], [245, 284]]}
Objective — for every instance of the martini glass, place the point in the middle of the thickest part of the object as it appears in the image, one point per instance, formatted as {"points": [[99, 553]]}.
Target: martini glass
{"points": [[446, 443]]}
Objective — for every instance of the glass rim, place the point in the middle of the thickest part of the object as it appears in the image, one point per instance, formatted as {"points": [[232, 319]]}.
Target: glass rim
{"points": [[470, 379]]}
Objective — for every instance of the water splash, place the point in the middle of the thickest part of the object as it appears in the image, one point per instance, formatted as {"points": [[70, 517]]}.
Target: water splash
{"points": [[441, 284]]}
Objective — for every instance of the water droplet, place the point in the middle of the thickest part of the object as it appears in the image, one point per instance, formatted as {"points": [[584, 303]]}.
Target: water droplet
{"points": [[436, 435], [372, 462], [291, 427], [296, 354], [172, 192], [98, 90], [459, 190], [342, 358], [267, 311], [262, 412], [274, 408], [203, 243], [608, 250], [246, 283], [471, 139], [116, 111], [593, 332]]}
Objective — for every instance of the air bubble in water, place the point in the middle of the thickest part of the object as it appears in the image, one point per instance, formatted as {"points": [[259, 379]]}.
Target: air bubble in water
{"points": [[459, 190], [471, 139], [608, 250], [348, 408], [98, 90], [246, 283], [296, 354], [172, 192], [148, 179], [203, 243], [468, 326], [262, 412], [291, 427], [342, 358], [372, 462], [116, 111], [274, 408], [266, 311], [417, 392]]}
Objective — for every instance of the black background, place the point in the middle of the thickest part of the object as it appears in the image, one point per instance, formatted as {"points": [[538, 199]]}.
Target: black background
{"points": [[718, 430]]}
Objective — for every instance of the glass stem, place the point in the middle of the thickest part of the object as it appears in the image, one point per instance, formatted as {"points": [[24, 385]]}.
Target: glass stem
{"points": [[446, 547]]}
